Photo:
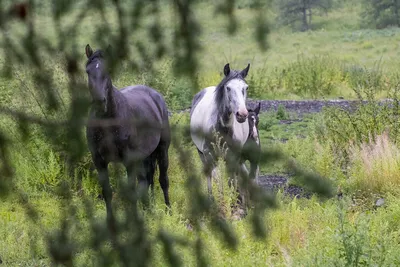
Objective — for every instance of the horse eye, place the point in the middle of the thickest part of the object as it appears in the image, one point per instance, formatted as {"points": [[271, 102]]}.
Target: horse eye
{"points": [[242, 91], [228, 88]]}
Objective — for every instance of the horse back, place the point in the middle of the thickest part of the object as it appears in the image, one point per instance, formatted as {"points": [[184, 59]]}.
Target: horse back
{"points": [[147, 103], [148, 107], [202, 116]]}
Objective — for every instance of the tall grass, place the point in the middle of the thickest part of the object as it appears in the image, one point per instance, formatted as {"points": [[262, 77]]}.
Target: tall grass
{"points": [[376, 165], [319, 76]]}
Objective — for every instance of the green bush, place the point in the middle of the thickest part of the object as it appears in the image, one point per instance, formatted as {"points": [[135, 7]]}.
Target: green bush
{"points": [[312, 77], [281, 113]]}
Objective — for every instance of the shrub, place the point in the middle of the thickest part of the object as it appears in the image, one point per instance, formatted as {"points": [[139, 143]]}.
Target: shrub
{"points": [[364, 80], [281, 113], [314, 77]]}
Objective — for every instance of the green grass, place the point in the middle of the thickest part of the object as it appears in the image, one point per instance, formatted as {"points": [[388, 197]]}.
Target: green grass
{"points": [[336, 42], [337, 58], [301, 232]]}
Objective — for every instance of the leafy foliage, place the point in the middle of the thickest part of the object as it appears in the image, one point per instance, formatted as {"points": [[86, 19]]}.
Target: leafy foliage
{"points": [[47, 173], [382, 13], [49, 66]]}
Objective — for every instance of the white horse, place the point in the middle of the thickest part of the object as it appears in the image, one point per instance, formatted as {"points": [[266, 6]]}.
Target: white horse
{"points": [[221, 109]]}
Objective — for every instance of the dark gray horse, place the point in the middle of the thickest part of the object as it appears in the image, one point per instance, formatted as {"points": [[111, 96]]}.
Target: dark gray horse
{"points": [[129, 126], [253, 145], [221, 109]]}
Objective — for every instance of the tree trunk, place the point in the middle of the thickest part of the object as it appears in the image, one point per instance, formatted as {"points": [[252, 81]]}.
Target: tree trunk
{"points": [[396, 12], [305, 23]]}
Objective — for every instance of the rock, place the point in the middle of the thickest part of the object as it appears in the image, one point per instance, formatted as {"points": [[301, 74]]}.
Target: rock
{"points": [[189, 227], [380, 202]]}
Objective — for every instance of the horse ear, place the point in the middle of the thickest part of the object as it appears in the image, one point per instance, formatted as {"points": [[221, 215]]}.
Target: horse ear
{"points": [[88, 50], [245, 71], [257, 110], [227, 69]]}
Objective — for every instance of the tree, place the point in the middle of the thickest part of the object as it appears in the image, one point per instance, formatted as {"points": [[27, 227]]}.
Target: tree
{"points": [[293, 12], [381, 13]]}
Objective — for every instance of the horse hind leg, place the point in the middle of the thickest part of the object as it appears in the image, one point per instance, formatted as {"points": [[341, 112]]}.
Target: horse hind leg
{"points": [[208, 168], [144, 182], [150, 166], [163, 164]]}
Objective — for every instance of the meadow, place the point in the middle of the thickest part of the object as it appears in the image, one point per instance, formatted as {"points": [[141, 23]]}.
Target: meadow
{"points": [[357, 152]]}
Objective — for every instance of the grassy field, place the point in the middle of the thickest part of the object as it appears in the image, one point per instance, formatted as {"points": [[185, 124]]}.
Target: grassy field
{"points": [[357, 152]]}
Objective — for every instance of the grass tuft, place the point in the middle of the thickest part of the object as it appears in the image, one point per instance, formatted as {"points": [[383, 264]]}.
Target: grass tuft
{"points": [[376, 166]]}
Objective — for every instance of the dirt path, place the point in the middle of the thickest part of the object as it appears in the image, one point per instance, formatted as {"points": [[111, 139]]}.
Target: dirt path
{"points": [[301, 107]]}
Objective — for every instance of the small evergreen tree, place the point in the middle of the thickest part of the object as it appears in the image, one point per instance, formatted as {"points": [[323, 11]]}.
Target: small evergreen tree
{"points": [[293, 12]]}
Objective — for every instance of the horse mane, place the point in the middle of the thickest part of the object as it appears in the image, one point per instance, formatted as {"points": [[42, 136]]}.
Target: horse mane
{"points": [[220, 92]]}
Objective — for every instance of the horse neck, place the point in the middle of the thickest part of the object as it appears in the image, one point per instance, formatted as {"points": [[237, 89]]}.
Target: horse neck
{"points": [[224, 114], [225, 122], [114, 98], [226, 119]]}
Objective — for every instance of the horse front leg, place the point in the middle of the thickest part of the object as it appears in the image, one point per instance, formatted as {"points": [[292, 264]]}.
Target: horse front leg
{"points": [[131, 174], [208, 169], [102, 169], [254, 172], [243, 185]]}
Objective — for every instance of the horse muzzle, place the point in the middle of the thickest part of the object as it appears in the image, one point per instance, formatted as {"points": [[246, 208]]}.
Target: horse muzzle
{"points": [[241, 116], [99, 103]]}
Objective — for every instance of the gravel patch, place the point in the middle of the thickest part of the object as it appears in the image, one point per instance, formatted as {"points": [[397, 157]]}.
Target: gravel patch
{"points": [[274, 182]]}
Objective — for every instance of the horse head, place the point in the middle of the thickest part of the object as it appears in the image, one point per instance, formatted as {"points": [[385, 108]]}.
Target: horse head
{"points": [[253, 120], [235, 89], [99, 80]]}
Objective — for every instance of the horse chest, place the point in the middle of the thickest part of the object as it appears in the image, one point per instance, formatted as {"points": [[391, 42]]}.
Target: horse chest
{"points": [[111, 145]]}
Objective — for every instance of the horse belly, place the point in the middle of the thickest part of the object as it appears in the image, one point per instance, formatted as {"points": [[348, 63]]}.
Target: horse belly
{"points": [[148, 144], [201, 120], [111, 152]]}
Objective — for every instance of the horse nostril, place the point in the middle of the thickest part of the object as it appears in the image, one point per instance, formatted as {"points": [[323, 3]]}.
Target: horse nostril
{"points": [[243, 115]]}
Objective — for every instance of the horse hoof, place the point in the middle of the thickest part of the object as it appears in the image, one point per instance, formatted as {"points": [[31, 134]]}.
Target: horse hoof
{"points": [[239, 214], [168, 210], [189, 227]]}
